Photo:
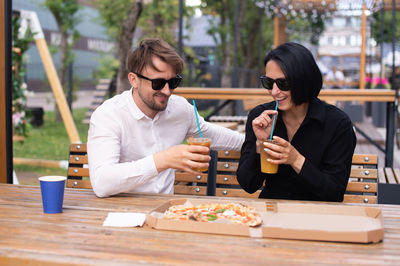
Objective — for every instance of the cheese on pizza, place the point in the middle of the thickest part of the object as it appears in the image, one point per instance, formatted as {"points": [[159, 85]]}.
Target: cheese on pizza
{"points": [[234, 212]]}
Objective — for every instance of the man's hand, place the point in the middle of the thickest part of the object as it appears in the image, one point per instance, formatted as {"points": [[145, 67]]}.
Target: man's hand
{"points": [[182, 157]]}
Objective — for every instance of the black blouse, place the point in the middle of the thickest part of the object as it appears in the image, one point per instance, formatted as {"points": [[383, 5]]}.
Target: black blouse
{"points": [[327, 141]]}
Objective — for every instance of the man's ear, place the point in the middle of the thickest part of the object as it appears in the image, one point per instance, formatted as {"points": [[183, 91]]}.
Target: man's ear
{"points": [[133, 80]]}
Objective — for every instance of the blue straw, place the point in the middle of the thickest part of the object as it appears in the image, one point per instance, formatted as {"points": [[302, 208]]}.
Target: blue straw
{"points": [[197, 118], [273, 121]]}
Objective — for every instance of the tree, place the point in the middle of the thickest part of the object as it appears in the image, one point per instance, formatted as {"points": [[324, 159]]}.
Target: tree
{"points": [[156, 18], [120, 17], [387, 26], [222, 29], [66, 16]]}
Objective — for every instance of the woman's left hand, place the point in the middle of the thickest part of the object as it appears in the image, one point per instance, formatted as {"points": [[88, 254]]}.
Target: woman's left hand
{"points": [[284, 153]]}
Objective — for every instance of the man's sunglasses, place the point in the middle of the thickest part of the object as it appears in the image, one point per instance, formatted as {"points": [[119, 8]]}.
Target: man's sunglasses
{"points": [[158, 84], [268, 83]]}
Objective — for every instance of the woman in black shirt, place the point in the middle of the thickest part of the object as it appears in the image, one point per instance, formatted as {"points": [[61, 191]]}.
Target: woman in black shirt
{"points": [[313, 141]]}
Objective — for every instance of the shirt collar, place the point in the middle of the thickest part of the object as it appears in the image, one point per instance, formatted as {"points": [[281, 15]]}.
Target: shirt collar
{"points": [[134, 109], [137, 113], [316, 110]]}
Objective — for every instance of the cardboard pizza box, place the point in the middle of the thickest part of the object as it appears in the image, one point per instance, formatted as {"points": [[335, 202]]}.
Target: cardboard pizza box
{"points": [[155, 220], [308, 221], [325, 222]]}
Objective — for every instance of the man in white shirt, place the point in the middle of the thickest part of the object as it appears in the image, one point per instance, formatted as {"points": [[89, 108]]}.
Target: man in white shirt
{"points": [[335, 78], [135, 138]]}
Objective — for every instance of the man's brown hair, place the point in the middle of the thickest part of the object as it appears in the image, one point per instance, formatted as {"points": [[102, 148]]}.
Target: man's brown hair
{"points": [[141, 56]]}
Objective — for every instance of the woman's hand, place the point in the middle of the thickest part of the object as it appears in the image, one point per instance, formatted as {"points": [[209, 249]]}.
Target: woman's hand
{"points": [[262, 125], [284, 153]]}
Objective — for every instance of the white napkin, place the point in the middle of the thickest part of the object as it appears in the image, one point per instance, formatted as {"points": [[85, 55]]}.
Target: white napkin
{"points": [[124, 219]]}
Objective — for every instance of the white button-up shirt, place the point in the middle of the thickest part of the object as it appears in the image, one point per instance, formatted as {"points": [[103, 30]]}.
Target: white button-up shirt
{"points": [[122, 141]]}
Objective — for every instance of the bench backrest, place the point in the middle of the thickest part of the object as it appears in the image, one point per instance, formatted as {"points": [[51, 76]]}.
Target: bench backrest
{"points": [[361, 188], [78, 171], [221, 180]]}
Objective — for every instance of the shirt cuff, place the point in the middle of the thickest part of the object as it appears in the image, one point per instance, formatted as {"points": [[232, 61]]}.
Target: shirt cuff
{"points": [[148, 166]]}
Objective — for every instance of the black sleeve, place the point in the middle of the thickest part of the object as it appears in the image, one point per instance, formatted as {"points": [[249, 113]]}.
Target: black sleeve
{"points": [[249, 171], [329, 181]]}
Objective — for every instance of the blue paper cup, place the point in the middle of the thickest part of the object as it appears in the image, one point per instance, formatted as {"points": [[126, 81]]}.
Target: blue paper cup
{"points": [[52, 193]]}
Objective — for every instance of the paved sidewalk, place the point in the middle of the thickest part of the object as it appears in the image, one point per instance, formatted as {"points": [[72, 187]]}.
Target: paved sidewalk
{"points": [[46, 100]]}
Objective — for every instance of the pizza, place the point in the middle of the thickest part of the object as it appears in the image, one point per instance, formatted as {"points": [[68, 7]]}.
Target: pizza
{"points": [[231, 212]]}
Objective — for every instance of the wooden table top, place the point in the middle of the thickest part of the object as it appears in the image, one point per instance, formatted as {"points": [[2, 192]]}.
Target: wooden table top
{"points": [[230, 125], [77, 236]]}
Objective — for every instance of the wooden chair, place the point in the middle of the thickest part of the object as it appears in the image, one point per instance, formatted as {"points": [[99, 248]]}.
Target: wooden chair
{"points": [[78, 171]]}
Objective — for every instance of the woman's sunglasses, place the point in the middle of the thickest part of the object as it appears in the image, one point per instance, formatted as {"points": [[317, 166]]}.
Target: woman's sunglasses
{"points": [[268, 83], [158, 84]]}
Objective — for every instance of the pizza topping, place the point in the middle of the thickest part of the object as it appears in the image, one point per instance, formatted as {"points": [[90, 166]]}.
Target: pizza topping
{"points": [[233, 212]]}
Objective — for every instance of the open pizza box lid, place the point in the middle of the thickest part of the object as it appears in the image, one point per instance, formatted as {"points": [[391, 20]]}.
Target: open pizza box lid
{"points": [[306, 221]]}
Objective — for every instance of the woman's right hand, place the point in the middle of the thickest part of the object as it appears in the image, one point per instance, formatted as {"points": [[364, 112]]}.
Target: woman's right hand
{"points": [[262, 125]]}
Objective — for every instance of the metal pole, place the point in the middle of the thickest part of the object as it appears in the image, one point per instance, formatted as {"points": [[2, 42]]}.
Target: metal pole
{"points": [[260, 53], [180, 45], [70, 85], [8, 88], [235, 46], [391, 107], [381, 37]]}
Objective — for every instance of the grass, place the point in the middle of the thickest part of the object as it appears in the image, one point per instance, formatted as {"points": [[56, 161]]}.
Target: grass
{"points": [[51, 142]]}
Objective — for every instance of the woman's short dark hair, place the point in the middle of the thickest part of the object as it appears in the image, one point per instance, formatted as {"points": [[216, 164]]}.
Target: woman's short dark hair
{"points": [[300, 69]]}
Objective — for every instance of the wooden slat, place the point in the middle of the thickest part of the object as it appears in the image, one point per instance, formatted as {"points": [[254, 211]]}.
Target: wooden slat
{"points": [[382, 176], [230, 125], [72, 171], [227, 154], [390, 176], [227, 180], [186, 177], [234, 192], [371, 95], [78, 159], [365, 159], [78, 147], [227, 166], [190, 190], [348, 198], [396, 172], [364, 173], [76, 183], [367, 187]]}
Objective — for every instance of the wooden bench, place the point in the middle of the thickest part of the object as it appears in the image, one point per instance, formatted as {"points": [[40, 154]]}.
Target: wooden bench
{"points": [[389, 185], [361, 188], [78, 171], [99, 96], [221, 180]]}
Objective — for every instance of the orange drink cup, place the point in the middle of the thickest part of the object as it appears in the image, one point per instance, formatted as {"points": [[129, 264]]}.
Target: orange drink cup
{"points": [[201, 142], [267, 167]]}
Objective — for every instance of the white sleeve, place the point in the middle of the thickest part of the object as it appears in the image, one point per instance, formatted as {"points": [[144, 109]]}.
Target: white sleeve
{"points": [[221, 138], [107, 175]]}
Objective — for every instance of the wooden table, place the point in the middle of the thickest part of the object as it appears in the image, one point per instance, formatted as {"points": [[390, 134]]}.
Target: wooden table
{"points": [[230, 125], [77, 236]]}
